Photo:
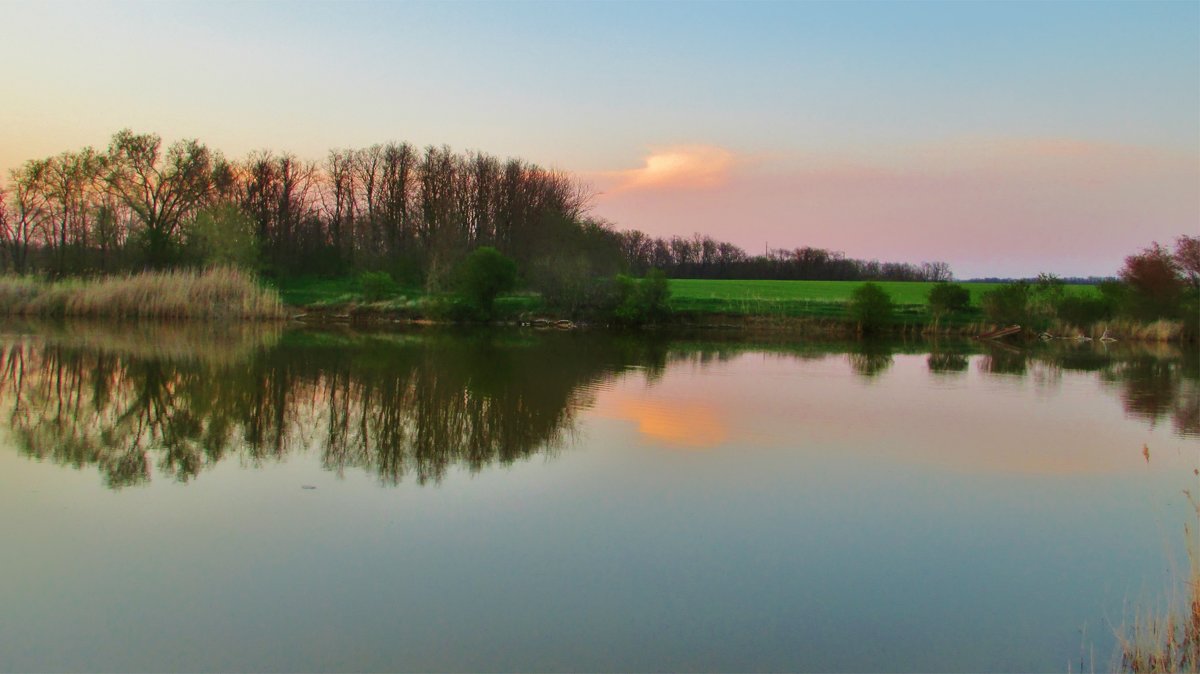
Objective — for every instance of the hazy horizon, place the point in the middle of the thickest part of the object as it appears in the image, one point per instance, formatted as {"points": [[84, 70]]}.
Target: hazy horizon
{"points": [[1004, 139]]}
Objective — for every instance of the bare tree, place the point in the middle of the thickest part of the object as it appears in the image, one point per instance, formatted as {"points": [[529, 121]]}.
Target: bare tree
{"points": [[29, 212], [160, 190]]}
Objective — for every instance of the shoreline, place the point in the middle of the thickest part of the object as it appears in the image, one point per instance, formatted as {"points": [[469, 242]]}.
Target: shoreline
{"points": [[223, 295], [1160, 331]]}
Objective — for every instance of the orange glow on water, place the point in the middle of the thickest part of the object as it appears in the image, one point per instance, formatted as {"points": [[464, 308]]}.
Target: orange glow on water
{"points": [[673, 423]]}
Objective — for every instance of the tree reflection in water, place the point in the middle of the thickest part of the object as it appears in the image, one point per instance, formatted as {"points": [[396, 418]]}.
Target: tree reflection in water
{"points": [[1154, 381], [177, 401], [870, 358], [397, 406]]}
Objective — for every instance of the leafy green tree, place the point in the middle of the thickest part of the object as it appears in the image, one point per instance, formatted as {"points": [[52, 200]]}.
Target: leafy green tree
{"points": [[224, 235], [485, 274], [871, 308]]}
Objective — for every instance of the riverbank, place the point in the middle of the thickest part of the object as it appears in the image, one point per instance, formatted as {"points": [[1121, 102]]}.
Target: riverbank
{"points": [[226, 294], [909, 323]]}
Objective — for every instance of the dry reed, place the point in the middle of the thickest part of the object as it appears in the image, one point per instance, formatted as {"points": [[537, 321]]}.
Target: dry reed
{"points": [[218, 293], [1169, 642], [1122, 329]]}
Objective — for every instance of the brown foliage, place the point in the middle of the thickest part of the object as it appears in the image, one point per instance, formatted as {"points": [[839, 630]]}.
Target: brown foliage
{"points": [[1154, 276]]}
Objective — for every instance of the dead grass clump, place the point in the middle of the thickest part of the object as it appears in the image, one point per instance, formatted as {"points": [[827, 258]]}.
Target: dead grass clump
{"points": [[218, 293], [1168, 642], [1156, 331]]}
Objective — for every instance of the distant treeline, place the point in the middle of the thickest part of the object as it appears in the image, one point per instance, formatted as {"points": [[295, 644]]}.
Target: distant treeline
{"points": [[703, 257], [1068, 280], [413, 213]]}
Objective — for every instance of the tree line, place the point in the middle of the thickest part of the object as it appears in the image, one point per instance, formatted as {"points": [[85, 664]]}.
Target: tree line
{"points": [[410, 212], [394, 207], [703, 257]]}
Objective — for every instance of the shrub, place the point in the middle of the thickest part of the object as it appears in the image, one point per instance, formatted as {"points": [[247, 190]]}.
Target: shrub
{"points": [[1045, 295], [377, 285], [641, 301], [948, 298], [483, 276], [871, 308], [1007, 304], [1084, 311]]}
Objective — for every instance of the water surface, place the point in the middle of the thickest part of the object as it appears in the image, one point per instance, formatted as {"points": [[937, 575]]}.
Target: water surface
{"points": [[239, 499]]}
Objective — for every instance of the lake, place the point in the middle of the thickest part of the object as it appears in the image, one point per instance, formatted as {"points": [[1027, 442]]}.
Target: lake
{"points": [[194, 498]]}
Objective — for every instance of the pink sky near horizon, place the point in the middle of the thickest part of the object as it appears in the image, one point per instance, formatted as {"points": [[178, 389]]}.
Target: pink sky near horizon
{"points": [[1009, 206]]}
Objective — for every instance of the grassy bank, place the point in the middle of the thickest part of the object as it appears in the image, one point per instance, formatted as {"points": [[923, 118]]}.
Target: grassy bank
{"points": [[219, 293], [807, 308], [345, 296], [814, 299], [809, 298]]}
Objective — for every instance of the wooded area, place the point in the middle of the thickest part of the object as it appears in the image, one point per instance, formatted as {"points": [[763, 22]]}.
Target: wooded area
{"points": [[413, 213]]}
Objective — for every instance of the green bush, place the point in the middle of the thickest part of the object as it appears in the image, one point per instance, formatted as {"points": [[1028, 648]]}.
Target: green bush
{"points": [[948, 298], [377, 285], [483, 276], [1007, 304], [641, 301], [871, 308], [1084, 311]]}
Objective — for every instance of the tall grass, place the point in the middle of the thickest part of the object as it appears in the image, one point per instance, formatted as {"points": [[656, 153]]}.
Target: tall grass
{"points": [[1168, 642], [215, 294]]}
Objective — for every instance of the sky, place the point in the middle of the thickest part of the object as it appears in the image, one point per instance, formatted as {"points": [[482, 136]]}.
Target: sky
{"points": [[1007, 139]]}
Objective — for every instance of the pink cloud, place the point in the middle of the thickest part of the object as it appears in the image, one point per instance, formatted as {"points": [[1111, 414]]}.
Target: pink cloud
{"points": [[674, 168], [988, 206]]}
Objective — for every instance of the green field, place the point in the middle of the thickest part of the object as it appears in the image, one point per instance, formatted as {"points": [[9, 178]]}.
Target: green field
{"points": [[804, 298], [818, 299]]}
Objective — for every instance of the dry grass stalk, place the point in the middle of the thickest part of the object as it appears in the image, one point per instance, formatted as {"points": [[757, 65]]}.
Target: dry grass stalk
{"points": [[217, 293], [1170, 642]]}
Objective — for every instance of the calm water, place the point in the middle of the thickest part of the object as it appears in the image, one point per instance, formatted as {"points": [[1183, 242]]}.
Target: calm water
{"points": [[190, 499]]}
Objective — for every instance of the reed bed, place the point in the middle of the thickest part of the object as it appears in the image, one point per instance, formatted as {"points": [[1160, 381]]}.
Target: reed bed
{"points": [[1170, 641], [1162, 330], [213, 294]]}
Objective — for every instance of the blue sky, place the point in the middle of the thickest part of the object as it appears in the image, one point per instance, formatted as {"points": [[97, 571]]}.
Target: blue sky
{"points": [[920, 96]]}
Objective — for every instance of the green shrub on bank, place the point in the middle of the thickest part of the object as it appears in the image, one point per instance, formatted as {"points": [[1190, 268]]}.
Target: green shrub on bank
{"points": [[948, 298], [377, 286], [485, 274], [641, 301], [871, 308], [1084, 311], [1008, 304]]}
